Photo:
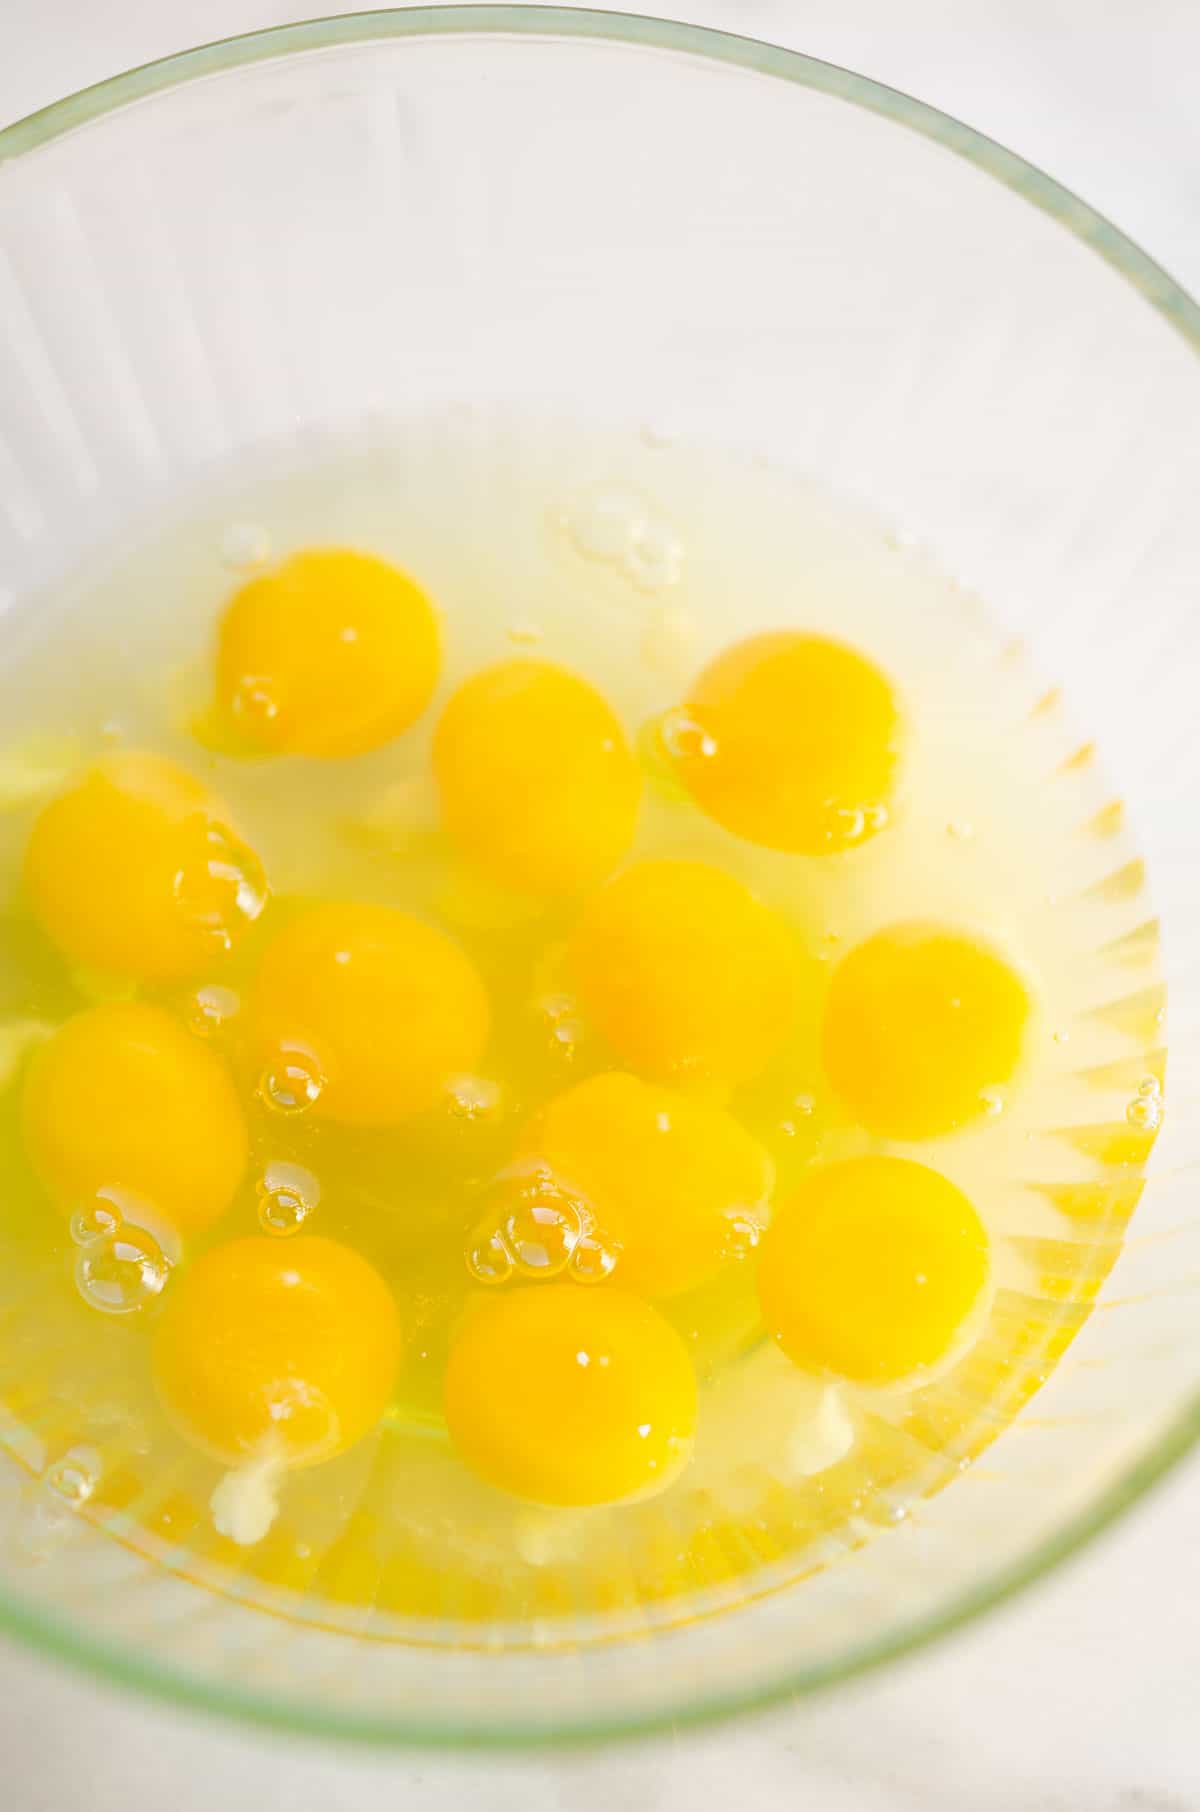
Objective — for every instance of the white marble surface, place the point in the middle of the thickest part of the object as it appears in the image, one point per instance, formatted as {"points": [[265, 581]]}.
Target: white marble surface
{"points": [[1082, 1697]]}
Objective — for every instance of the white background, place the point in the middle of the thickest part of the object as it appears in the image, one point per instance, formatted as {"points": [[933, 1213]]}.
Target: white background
{"points": [[1085, 1696]]}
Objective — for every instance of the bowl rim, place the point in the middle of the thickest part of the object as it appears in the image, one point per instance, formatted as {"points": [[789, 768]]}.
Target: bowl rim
{"points": [[53, 1634]]}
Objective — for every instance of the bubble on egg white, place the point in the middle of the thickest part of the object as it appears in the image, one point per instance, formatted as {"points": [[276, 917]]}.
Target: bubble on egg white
{"points": [[293, 1083], [245, 546], [74, 1476], [223, 888], [123, 1272], [288, 1194]]}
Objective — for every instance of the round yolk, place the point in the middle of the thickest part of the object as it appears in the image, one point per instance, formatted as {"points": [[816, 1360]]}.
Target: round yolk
{"points": [[332, 653], [565, 1395], [537, 782], [123, 1104], [685, 973], [135, 870], [278, 1350], [669, 1180], [792, 742], [383, 1009], [872, 1269], [920, 1024]]}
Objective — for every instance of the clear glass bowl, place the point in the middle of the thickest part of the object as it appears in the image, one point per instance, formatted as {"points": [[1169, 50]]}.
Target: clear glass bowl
{"points": [[658, 225]]}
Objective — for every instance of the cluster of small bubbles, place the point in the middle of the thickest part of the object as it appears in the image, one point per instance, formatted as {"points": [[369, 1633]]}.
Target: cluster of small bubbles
{"points": [[253, 704], [245, 545], [847, 825], [523, 633], [961, 829], [992, 1103], [123, 1272], [564, 1028], [473, 1098], [293, 1083], [743, 1233], [210, 1008], [616, 525], [533, 1230], [288, 1195], [73, 1477], [1145, 1110], [223, 887]]}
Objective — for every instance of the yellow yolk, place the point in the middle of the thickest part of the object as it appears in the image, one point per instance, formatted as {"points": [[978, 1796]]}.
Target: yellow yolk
{"points": [[332, 653], [685, 973], [378, 1010], [674, 1185], [921, 1023], [135, 870], [278, 1350], [871, 1271], [568, 1395], [123, 1104], [790, 740], [537, 781]]}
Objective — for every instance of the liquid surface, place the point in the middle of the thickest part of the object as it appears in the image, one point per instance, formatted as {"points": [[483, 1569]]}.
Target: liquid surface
{"points": [[574, 1026]]}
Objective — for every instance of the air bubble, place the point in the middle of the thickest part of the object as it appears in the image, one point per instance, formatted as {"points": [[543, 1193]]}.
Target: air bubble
{"points": [[123, 1272], [656, 763], [743, 1234], [489, 1260], [654, 557], [594, 1258], [288, 1195], [245, 545], [605, 523], [564, 1029], [1145, 1110], [210, 1008], [224, 888], [960, 829], [74, 1477], [683, 738], [95, 1221], [293, 1083], [533, 1230], [1062, 1037], [253, 705], [992, 1103], [473, 1098]]}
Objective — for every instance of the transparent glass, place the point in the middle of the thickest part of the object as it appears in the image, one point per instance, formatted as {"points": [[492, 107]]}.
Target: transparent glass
{"points": [[363, 217]]}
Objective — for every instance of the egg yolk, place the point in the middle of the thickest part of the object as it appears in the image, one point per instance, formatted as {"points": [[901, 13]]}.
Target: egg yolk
{"points": [[123, 1104], [673, 1184], [920, 1024], [376, 1011], [285, 1350], [537, 782], [872, 1269], [333, 653], [565, 1395], [792, 742], [135, 870], [684, 972]]}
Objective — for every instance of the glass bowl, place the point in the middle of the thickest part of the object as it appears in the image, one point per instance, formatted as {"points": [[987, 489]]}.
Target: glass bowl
{"points": [[345, 220]]}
